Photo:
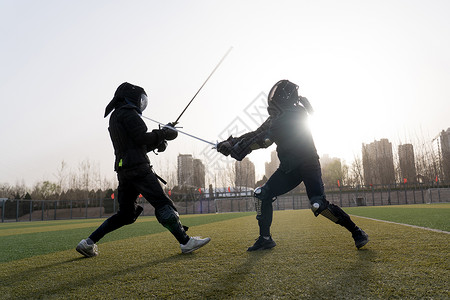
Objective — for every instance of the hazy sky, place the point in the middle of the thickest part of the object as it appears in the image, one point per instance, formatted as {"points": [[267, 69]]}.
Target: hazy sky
{"points": [[371, 70]]}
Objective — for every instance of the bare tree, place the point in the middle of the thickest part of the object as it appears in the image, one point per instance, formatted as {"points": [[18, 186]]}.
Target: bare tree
{"points": [[427, 165], [345, 174], [109, 183], [84, 169], [61, 177], [19, 189], [357, 171], [227, 174], [5, 190], [167, 170], [397, 169]]}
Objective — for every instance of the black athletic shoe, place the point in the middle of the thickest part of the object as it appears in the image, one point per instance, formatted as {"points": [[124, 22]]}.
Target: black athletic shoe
{"points": [[361, 238], [262, 244]]}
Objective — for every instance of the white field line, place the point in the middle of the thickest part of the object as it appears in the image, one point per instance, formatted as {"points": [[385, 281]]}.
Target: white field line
{"points": [[413, 226]]}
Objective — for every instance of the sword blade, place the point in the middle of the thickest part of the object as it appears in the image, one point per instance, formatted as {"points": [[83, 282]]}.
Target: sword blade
{"points": [[185, 133], [220, 62]]}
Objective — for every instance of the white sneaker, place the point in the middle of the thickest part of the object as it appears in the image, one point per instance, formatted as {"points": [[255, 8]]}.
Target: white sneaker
{"points": [[87, 250], [193, 244]]}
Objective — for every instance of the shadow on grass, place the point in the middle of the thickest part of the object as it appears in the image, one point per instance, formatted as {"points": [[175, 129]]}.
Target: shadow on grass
{"points": [[86, 280], [33, 272], [230, 281], [355, 279]]}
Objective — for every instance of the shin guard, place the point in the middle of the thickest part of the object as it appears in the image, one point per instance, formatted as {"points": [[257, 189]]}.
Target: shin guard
{"points": [[261, 194], [320, 205], [169, 218]]}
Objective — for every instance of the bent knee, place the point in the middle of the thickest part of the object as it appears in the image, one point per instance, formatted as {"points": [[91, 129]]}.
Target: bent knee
{"points": [[263, 193], [127, 218]]}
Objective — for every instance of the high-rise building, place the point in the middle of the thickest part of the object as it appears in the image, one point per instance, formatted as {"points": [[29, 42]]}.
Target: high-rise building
{"points": [[199, 173], [245, 173], [378, 162], [445, 153], [272, 166], [407, 162], [185, 170], [190, 171]]}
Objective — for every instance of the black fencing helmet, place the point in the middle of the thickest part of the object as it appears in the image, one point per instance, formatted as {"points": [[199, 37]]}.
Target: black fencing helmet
{"points": [[130, 94], [282, 95]]}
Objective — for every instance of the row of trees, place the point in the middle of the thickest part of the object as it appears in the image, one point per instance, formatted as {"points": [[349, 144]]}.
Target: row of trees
{"points": [[84, 183], [87, 182]]}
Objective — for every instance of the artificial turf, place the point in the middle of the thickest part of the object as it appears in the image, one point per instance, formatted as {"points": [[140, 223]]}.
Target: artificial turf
{"points": [[314, 259]]}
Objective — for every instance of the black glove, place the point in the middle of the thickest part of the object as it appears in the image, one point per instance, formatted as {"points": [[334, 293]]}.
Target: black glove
{"points": [[162, 146], [169, 133], [240, 150], [224, 147]]}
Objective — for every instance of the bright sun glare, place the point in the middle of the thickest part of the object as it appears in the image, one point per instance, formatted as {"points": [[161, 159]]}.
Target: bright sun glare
{"points": [[325, 135]]}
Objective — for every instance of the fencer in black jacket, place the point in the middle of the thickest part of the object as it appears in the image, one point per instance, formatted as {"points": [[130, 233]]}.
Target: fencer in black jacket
{"points": [[131, 141], [287, 127]]}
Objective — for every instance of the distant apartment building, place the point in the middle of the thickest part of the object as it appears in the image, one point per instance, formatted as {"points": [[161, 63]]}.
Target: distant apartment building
{"points": [[245, 173], [190, 171], [378, 162], [445, 153], [407, 163], [272, 166], [199, 173], [185, 170]]}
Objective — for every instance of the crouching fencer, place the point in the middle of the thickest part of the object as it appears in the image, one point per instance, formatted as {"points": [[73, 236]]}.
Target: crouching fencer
{"points": [[286, 127], [131, 142]]}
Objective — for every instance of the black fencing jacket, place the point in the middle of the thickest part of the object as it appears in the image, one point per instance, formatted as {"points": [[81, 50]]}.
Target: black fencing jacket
{"points": [[130, 138], [290, 132]]}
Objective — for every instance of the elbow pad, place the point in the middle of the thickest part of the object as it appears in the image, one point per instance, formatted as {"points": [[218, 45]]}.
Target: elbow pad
{"points": [[246, 146], [261, 144]]}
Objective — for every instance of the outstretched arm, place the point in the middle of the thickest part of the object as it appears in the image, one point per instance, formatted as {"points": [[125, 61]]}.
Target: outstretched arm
{"points": [[241, 146]]}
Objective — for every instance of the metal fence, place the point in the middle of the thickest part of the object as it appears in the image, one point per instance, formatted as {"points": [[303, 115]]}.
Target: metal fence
{"points": [[40, 210]]}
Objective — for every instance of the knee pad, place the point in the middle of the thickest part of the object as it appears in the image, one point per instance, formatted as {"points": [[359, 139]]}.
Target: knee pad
{"points": [[318, 204], [261, 194], [168, 217]]}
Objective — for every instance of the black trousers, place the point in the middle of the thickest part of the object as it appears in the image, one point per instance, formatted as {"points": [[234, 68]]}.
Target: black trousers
{"points": [[282, 181], [132, 182]]}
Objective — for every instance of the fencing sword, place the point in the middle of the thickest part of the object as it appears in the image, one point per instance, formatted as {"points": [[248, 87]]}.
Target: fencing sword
{"points": [[178, 130], [176, 121], [217, 66]]}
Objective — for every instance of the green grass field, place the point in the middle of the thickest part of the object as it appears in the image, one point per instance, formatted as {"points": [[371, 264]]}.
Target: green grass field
{"points": [[314, 258]]}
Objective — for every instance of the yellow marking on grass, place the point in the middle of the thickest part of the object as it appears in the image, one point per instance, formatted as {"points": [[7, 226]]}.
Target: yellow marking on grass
{"points": [[46, 226], [59, 227]]}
